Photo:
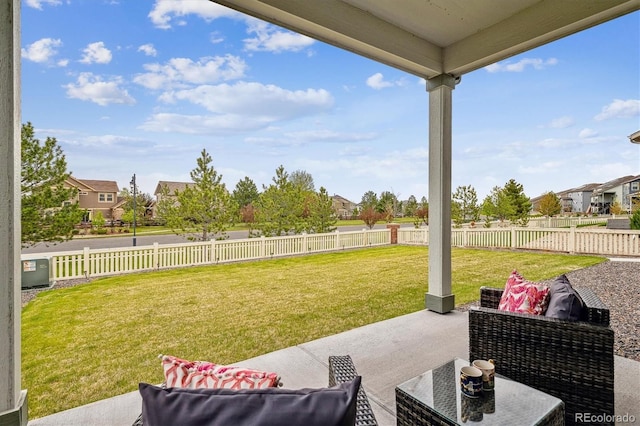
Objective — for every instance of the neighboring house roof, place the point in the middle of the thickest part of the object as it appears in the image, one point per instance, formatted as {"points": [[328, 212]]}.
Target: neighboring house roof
{"points": [[95, 185], [340, 199], [614, 183], [173, 186]]}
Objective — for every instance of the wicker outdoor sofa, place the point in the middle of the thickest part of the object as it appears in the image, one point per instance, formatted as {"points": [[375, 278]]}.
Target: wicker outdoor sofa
{"points": [[341, 370], [571, 360]]}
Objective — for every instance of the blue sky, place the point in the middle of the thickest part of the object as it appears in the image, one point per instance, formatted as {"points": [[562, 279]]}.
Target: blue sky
{"points": [[143, 86]]}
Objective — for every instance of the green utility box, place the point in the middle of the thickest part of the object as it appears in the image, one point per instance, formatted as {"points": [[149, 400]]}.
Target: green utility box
{"points": [[35, 273]]}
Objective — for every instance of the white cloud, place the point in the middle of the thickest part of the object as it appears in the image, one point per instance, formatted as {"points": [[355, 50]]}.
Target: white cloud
{"points": [[543, 167], [37, 4], [42, 50], [110, 141], [273, 39], [587, 133], [202, 124], [329, 136], [215, 37], [148, 49], [165, 10], [90, 87], [536, 63], [378, 82], [562, 122], [389, 166], [270, 102], [619, 109], [179, 72], [96, 53]]}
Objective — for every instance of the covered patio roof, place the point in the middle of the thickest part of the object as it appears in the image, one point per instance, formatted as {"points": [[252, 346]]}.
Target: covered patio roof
{"points": [[432, 37]]}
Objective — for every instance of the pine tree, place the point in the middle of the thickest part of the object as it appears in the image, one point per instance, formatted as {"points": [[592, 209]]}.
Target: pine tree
{"points": [[49, 208]]}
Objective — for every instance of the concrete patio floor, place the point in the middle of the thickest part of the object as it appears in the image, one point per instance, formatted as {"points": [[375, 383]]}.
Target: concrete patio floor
{"points": [[386, 354]]}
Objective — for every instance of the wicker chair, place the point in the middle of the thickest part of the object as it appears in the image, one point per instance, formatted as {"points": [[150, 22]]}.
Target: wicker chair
{"points": [[341, 369], [571, 360]]}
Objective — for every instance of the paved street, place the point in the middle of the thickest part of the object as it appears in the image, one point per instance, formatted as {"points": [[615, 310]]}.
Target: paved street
{"points": [[126, 240]]}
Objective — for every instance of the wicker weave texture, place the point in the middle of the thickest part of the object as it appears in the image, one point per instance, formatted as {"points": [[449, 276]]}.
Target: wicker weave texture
{"points": [[410, 412], [571, 360], [341, 369]]}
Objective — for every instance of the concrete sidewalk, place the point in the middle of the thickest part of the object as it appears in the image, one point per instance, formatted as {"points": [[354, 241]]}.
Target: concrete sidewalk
{"points": [[386, 354]]}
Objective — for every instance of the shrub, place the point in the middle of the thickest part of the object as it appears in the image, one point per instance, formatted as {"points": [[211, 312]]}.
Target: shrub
{"points": [[635, 220]]}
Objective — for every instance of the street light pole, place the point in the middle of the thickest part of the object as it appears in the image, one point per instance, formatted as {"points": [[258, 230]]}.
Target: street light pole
{"points": [[133, 184]]}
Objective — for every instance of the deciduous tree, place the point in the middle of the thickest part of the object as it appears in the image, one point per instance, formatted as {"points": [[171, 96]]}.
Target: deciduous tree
{"points": [[302, 180], [49, 208], [550, 204], [370, 216]]}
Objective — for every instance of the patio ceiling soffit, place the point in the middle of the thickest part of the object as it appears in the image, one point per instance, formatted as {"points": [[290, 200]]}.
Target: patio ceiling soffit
{"points": [[429, 38]]}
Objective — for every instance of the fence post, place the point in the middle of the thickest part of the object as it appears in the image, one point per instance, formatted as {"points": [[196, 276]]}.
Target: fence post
{"points": [[213, 257], [263, 248], [85, 262], [394, 232], [305, 248], [337, 239], [465, 237], [572, 240], [156, 256], [513, 238], [365, 237]]}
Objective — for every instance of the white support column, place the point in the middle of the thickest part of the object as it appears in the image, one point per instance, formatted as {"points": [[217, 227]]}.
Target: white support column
{"points": [[439, 297], [13, 406]]}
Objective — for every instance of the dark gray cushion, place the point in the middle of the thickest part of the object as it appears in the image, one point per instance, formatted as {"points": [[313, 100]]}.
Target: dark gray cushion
{"points": [[564, 301], [250, 407]]}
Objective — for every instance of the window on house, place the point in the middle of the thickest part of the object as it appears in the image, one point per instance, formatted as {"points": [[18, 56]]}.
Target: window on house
{"points": [[105, 197], [635, 186]]}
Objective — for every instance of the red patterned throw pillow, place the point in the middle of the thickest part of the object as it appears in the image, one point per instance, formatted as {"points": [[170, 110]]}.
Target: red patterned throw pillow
{"points": [[181, 373], [524, 296]]}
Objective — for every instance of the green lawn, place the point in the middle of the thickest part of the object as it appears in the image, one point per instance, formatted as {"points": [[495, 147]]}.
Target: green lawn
{"points": [[100, 339]]}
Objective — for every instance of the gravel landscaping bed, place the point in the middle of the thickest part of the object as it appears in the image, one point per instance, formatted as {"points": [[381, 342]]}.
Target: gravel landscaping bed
{"points": [[617, 284]]}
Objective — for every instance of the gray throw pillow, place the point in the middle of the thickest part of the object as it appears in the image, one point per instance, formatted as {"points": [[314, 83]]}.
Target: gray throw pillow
{"points": [[564, 301], [250, 407]]}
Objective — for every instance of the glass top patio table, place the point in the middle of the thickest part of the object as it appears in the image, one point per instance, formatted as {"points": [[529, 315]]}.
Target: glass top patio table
{"points": [[434, 397]]}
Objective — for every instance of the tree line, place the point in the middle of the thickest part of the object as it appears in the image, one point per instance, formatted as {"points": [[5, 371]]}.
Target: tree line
{"points": [[206, 209]]}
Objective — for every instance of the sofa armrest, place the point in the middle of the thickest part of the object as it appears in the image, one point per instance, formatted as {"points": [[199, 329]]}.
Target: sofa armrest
{"points": [[341, 369]]}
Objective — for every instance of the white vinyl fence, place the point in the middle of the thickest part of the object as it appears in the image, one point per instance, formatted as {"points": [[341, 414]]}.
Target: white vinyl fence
{"points": [[565, 222], [101, 262], [607, 242]]}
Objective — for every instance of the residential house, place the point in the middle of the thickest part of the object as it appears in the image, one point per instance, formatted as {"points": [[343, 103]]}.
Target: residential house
{"points": [[630, 193], [344, 208], [581, 197], [96, 196], [597, 198], [173, 187], [619, 190]]}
